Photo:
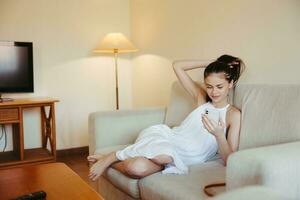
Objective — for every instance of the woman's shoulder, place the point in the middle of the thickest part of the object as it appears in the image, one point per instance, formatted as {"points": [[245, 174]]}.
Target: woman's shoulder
{"points": [[234, 114]]}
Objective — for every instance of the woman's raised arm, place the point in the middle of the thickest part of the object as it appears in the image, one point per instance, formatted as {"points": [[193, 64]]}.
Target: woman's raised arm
{"points": [[180, 67]]}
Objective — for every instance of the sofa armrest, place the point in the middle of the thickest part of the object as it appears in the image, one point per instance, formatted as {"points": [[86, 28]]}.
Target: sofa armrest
{"points": [[109, 128], [251, 193], [275, 166]]}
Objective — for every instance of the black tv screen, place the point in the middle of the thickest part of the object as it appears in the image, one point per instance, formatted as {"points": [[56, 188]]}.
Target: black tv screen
{"points": [[16, 67]]}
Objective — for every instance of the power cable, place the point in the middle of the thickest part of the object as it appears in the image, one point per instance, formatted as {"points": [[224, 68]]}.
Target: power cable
{"points": [[3, 130]]}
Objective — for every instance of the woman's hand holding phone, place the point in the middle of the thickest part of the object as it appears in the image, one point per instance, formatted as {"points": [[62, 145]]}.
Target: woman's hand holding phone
{"points": [[213, 123]]}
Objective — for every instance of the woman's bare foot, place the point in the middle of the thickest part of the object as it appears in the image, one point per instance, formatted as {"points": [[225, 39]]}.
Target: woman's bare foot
{"points": [[94, 158], [101, 165]]}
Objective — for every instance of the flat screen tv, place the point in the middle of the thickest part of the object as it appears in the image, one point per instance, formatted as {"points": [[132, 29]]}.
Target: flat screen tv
{"points": [[16, 67]]}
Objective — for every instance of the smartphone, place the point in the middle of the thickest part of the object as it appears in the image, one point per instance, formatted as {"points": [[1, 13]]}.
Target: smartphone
{"points": [[213, 115]]}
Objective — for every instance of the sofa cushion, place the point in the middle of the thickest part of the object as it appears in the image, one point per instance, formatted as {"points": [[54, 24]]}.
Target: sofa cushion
{"points": [[124, 183], [110, 192], [178, 187], [270, 114]]}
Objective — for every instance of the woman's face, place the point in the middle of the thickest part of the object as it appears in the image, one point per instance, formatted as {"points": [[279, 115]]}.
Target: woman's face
{"points": [[217, 87]]}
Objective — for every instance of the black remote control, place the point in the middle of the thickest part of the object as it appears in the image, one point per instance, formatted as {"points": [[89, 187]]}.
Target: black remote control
{"points": [[39, 195]]}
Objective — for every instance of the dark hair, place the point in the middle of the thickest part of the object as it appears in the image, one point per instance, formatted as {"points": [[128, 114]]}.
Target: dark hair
{"points": [[231, 66]]}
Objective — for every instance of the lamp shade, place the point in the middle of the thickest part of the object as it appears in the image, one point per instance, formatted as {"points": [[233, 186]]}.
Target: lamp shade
{"points": [[115, 43]]}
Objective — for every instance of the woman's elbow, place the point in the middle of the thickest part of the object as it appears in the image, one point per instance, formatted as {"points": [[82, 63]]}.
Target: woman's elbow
{"points": [[225, 161], [177, 65]]}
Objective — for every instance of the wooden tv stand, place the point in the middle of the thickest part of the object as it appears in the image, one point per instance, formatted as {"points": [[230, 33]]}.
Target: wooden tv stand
{"points": [[11, 112]]}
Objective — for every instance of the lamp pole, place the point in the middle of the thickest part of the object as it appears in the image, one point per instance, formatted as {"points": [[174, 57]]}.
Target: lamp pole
{"points": [[115, 43], [117, 80]]}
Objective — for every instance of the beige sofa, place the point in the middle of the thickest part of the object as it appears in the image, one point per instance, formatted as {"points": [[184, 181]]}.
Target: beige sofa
{"points": [[269, 154], [252, 193]]}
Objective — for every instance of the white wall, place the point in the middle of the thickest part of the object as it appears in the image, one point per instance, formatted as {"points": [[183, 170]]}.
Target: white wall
{"points": [[64, 33], [265, 34]]}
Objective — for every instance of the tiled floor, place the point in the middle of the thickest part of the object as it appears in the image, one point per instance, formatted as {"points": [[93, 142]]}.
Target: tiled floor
{"points": [[79, 164]]}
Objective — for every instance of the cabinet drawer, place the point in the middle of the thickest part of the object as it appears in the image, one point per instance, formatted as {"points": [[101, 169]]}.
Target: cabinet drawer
{"points": [[8, 114]]}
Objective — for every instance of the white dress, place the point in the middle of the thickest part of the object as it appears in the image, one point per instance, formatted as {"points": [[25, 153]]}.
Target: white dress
{"points": [[190, 143]]}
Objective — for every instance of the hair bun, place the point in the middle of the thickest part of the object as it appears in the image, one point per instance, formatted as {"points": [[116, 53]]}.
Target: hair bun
{"points": [[230, 65]]}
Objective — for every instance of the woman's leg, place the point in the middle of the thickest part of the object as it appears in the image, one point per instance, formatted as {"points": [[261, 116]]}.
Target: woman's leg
{"points": [[162, 159], [137, 167]]}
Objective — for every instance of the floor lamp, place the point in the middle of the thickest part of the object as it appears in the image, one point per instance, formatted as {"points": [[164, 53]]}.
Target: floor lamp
{"points": [[115, 43]]}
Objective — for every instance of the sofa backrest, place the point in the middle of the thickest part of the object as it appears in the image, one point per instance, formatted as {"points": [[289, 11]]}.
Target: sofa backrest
{"points": [[270, 114], [180, 105]]}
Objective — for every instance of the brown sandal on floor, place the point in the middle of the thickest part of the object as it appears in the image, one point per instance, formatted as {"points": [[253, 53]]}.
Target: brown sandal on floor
{"points": [[206, 191]]}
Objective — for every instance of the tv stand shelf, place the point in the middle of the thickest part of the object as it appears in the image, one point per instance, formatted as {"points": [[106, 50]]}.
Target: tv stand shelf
{"points": [[12, 113]]}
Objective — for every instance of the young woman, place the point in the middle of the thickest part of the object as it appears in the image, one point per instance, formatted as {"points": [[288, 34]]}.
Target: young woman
{"points": [[212, 127]]}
